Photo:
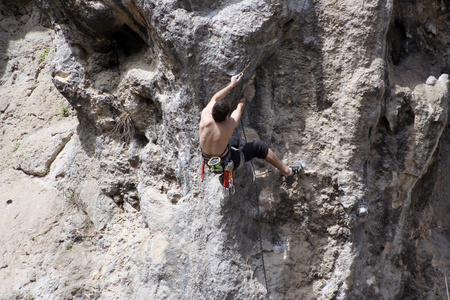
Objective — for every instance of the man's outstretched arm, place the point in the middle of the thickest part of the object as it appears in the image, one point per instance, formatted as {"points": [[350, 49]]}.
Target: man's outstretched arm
{"points": [[223, 92]]}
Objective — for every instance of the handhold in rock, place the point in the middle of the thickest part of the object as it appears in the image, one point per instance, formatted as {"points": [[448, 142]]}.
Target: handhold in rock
{"points": [[362, 211], [431, 80]]}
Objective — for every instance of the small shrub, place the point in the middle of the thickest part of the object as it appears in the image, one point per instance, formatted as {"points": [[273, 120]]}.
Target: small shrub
{"points": [[69, 246], [65, 112], [46, 52], [124, 127]]}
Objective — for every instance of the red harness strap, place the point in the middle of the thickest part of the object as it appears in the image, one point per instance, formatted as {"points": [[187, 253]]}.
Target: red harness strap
{"points": [[203, 170], [228, 177], [225, 179]]}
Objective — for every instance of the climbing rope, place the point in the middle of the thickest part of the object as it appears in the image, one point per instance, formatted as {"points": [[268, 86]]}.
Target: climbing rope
{"points": [[259, 211], [257, 202], [262, 250], [259, 216], [251, 161]]}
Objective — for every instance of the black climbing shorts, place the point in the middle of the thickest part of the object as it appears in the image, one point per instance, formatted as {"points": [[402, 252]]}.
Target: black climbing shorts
{"points": [[251, 150]]}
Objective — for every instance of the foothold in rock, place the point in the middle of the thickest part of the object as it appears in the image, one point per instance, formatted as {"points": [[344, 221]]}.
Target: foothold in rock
{"points": [[32, 276], [173, 196], [352, 221], [430, 27], [134, 161], [443, 77], [117, 199], [431, 80], [362, 211]]}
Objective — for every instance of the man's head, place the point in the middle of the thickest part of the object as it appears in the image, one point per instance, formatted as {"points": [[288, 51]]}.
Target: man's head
{"points": [[220, 111]]}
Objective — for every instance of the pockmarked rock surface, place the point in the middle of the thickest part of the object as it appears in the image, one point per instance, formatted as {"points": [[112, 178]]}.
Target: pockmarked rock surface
{"points": [[101, 196]]}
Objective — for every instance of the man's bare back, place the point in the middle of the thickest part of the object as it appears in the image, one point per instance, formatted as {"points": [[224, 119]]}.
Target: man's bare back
{"points": [[214, 136]]}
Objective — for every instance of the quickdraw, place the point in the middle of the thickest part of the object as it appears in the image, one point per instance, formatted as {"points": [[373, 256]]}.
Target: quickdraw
{"points": [[215, 166], [228, 179]]}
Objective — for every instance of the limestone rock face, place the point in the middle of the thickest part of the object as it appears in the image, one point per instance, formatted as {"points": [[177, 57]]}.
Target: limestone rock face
{"points": [[101, 193], [40, 148]]}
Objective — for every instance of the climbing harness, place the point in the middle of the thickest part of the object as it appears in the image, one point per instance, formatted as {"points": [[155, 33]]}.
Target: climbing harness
{"points": [[221, 165], [215, 165]]}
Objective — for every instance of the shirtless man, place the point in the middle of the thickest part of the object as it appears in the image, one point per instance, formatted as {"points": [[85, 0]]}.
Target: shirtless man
{"points": [[216, 132]]}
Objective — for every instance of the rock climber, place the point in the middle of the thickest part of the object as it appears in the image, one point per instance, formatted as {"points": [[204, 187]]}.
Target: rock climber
{"points": [[216, 132]]}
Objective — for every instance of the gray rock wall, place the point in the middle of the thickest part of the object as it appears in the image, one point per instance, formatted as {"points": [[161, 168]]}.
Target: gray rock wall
{"points": [[102, 198]]}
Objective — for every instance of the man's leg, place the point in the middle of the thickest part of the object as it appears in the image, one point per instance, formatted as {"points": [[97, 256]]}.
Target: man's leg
{"points": [[272, 159], [260, 150]]}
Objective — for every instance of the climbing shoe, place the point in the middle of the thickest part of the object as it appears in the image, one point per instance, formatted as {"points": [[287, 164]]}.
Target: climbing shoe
{"points": [[297, 169]]}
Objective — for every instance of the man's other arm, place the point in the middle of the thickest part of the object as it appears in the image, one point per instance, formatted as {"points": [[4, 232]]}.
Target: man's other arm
{"points": [[236, 115]]}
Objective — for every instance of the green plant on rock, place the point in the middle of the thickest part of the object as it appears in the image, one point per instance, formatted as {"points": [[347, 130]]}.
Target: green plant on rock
{"points": [[16, 147], [65, 112], [46, 52], [69, 246], [71, 194]]}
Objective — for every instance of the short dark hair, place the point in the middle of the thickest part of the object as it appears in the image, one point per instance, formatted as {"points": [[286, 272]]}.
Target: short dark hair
{"points": [[220, 111]]}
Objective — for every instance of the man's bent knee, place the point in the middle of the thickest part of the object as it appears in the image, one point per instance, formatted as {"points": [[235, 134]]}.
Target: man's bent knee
{"points": [[261, 149], [255, 149]]}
